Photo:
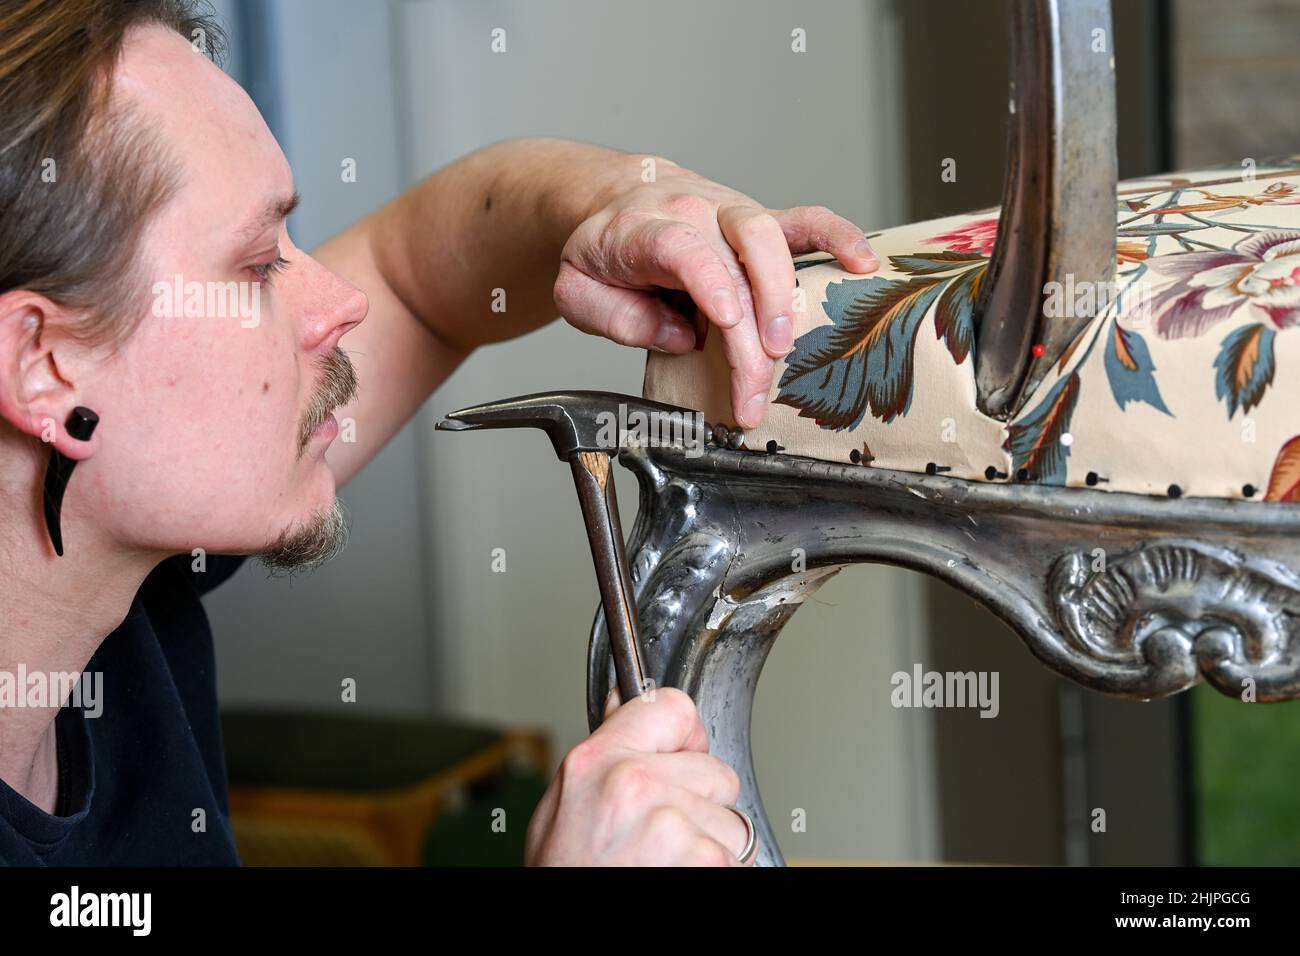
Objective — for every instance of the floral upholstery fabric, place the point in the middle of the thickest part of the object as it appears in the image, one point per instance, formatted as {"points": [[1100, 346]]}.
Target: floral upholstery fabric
{"points": [[1185, 381]]}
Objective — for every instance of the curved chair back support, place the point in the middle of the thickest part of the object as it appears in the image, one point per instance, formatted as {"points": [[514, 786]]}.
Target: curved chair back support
{"points": [[1058, 209]]}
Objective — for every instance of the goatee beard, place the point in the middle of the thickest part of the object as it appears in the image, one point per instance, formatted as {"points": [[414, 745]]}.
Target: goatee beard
{"points": [[309, 544], [306, 546]]}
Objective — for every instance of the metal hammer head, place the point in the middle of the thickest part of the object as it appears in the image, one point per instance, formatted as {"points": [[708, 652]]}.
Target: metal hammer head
{"points": [[582, 421]]}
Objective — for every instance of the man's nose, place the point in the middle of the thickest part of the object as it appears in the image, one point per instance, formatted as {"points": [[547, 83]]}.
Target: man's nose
{"points": [[334, 306]]}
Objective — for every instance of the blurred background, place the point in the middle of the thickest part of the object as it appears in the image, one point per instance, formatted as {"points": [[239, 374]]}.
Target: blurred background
{"points": [[469, 681]]}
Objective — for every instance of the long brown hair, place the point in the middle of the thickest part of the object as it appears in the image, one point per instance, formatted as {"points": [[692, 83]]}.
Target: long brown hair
{"points": [[79, 178]]}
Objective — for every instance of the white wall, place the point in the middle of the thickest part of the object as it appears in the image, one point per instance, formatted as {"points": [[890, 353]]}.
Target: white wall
{"points": [[716, 87]]}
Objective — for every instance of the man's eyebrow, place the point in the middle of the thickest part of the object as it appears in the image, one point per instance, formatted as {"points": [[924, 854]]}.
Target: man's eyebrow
{"points": [[275, 212]]}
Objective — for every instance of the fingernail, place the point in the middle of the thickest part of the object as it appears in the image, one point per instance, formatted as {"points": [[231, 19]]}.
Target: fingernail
{"points": [[673, 336], [724, 304], [753, 410], [780, 334], [863, 248]]}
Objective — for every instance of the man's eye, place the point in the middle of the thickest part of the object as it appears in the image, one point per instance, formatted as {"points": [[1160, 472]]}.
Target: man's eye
{"points": [[266, 270]]}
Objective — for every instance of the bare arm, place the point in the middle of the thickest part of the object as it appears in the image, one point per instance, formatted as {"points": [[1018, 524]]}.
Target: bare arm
{"points": [[558, 227]]}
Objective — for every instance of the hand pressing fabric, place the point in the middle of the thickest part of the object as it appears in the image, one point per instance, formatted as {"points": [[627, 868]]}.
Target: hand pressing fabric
{"points": [[728, 253]]}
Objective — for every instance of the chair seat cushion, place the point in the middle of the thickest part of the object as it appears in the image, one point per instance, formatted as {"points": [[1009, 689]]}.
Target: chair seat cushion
{"points": [[1184, 382]]}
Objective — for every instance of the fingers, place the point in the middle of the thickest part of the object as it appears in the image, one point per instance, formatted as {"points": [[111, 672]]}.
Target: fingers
{"points": [[669, 254], [692, 770], [678, 255], [816, 228], [660, 777], [739, 275], [640, 790], [643, 252], [627, 316], [693, 832], [685, 260], [721, 824], [666, 722], [751, 373], [760, 242]]}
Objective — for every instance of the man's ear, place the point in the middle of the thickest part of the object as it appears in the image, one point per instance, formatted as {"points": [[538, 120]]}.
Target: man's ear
{"points": [[39, 367]]}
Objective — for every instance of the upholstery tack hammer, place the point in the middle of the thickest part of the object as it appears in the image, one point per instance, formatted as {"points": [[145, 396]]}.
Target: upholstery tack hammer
{"points": [[579, 426]]}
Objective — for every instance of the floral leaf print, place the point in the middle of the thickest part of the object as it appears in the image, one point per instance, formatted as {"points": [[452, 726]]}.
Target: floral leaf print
{"points": [[1158, 228], [863, 360], [1284, 482], [1244, 367], [1261, 270], [954, 320], [977, 236], [1072, 347], [928, 263], [1035, 440], [1280, 193], [1131, 371], [1131, 250]]}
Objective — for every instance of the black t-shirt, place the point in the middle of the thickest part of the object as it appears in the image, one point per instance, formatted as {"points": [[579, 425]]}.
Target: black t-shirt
{"points": [[144, 783]]}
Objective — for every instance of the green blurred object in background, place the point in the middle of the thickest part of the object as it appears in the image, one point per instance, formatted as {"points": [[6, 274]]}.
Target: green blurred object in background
{"points": [[1247, 779], [332, 789], [490, 829]]}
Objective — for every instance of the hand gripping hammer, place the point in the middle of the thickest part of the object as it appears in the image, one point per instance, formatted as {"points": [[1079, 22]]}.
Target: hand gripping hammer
{"points": [[579, 425]]}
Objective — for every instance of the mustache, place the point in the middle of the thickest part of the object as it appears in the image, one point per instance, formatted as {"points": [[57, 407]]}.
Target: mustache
{"points": [[338, 386]]}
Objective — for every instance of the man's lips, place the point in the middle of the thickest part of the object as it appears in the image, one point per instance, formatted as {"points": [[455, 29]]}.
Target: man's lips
{"points": [[328, 429]]}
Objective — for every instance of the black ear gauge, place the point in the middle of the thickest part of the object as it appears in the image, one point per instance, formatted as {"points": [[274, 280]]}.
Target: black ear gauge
{"points": [[80, 425]]}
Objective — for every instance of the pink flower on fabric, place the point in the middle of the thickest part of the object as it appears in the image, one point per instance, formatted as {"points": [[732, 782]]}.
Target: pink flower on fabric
{"points": [[1273, 283], [977, 237], [1262, 270]]}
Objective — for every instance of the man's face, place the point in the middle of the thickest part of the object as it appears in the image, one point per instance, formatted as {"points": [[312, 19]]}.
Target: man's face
{"points": [[205, 419]]}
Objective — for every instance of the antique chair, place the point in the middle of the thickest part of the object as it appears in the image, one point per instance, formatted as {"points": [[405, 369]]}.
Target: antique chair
{"points": [[1069, 409]]}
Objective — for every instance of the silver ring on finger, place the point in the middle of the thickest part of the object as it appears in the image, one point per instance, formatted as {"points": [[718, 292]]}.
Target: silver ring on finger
{"points": [[751, 839]]}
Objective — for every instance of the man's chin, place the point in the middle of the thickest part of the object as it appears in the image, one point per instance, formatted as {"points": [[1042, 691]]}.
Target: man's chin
{"points": [[309, 544]]}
